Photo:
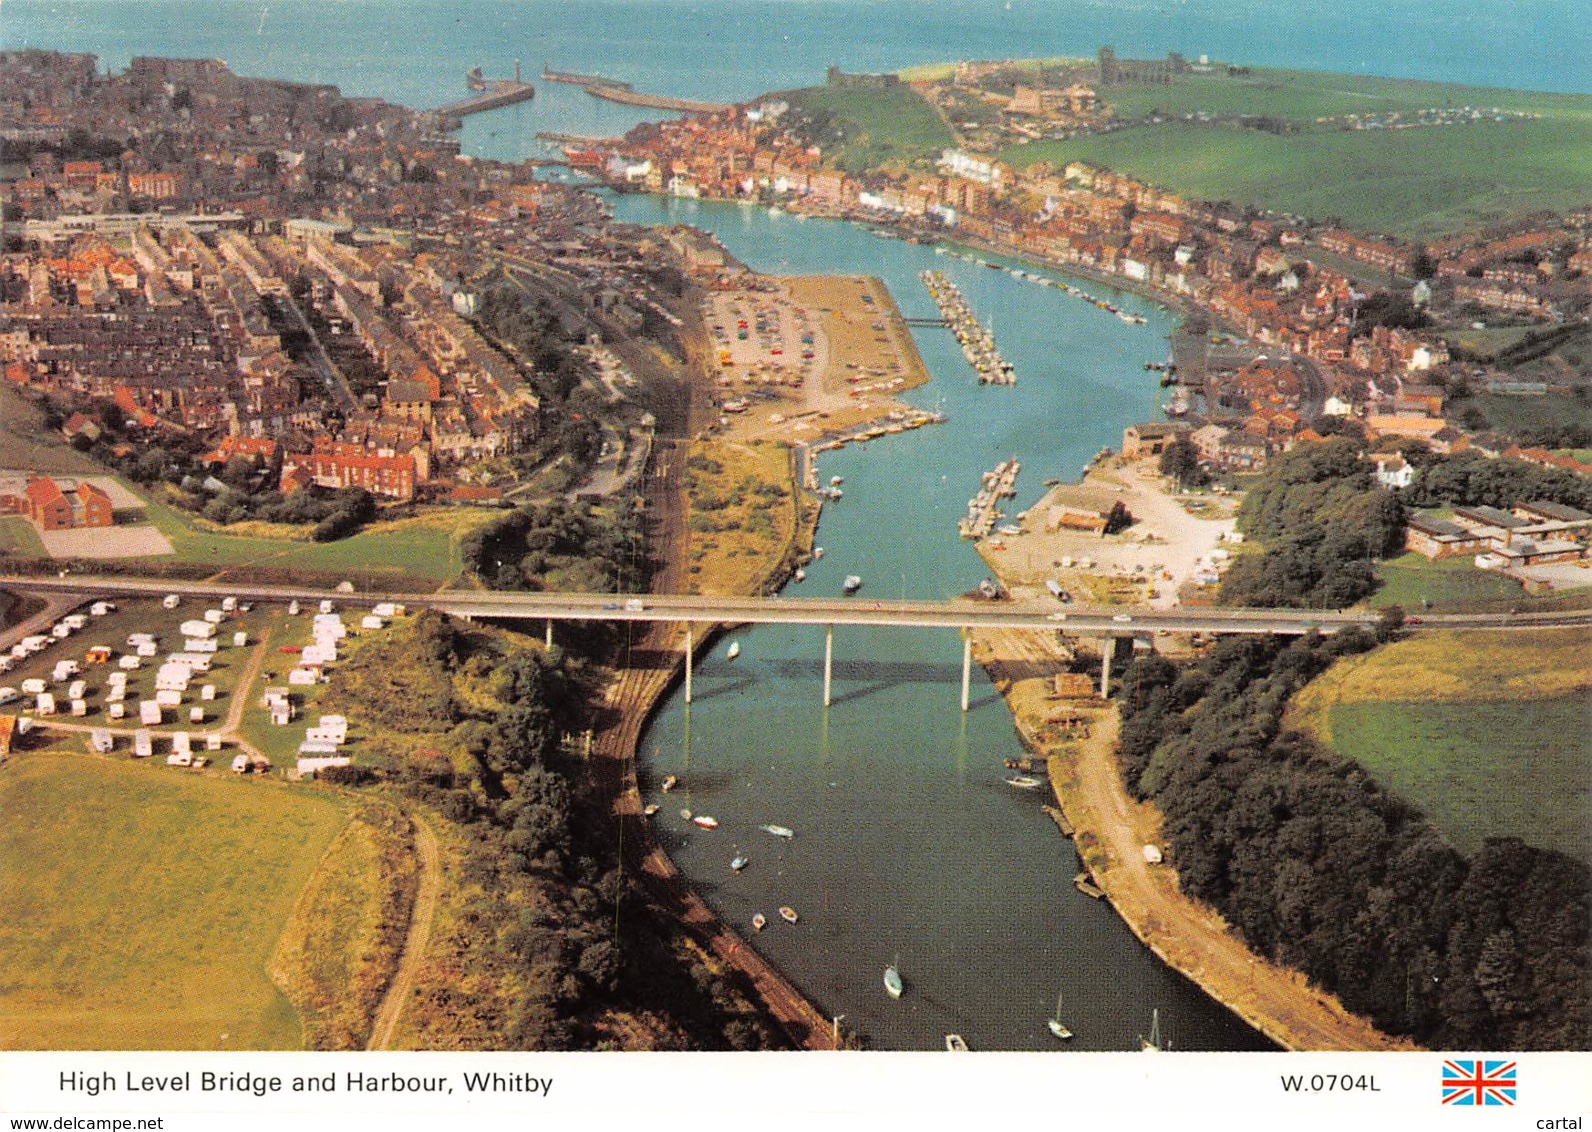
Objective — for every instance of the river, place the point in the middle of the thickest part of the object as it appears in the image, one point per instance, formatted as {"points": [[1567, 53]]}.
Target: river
{"points": [[908, 843]]}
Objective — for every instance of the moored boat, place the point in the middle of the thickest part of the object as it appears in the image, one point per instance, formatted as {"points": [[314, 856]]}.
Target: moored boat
{"points": [[1024, 782], [893, 985], [955, 1043], [1055, 1024], [788, 914], [669, 783], [733, 651], [650, 808], [705, 821], [740, 861], [778, 831], [852, 584], [759, 922]]}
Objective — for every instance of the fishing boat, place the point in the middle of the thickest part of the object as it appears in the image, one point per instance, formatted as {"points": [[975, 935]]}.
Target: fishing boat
{"points": [[892, 979], [818, 552], [1055, 1023], [1152, 1044], [740, 861], [836, 481], [759, 922], [852, 584], [733, 651], [705, 822], [1024, 782], [955, 1043], [788, 914], [650, 809], [778, 831], [800, 575], [669, 783]]}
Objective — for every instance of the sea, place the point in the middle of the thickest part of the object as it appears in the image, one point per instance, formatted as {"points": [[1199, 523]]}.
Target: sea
{"points": [[908, 847]]}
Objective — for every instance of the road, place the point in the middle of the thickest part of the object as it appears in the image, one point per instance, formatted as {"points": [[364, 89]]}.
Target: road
{"points": [[950, 614]]}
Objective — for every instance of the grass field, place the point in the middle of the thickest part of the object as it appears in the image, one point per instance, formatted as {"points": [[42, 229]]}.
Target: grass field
{"points": [[738, 536], [139, 905], [18, 536], [1481, 768], [874, 127], [1513, 414], [1416, 583], [1415, 183], [1489, 733], [426, 546], [1303, 96], [25, 444]]}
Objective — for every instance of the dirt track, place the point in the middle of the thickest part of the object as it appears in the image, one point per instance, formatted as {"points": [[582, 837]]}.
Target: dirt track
{"points": [[1184, 933]]}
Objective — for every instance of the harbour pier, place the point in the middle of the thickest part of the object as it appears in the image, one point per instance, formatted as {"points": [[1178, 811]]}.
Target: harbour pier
{"points": [[493, 93], [614, 90], [978, 342]]}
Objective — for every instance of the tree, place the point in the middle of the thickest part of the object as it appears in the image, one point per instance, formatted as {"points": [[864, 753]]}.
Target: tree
{"points": [[1180, 462]]}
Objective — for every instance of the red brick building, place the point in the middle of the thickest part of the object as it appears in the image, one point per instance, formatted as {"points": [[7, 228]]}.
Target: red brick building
{"points": [[63, 505]]}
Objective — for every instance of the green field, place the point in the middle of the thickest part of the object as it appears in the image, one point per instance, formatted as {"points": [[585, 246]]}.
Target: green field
{"points": [[1482, 768], [139, 904], [867, 128], [1304, 96], [1416, 183], [1511, 415], [426, 546], [25, 444], [1489, 733], [1415, 583], [18, 536]]}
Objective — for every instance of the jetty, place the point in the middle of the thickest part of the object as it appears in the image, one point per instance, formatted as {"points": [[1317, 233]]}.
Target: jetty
{"points": [[983, 510], [613, 90], [492, 94], [978, 342]]}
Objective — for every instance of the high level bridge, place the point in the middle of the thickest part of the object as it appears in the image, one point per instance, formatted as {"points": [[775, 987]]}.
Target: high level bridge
{"points": [[698, 612]]}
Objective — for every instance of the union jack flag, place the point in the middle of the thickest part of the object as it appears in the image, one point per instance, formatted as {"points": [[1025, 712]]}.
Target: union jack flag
{"points": [[1478, 1082]]}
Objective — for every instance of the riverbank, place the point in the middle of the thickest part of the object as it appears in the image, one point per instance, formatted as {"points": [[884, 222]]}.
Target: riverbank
{"points": [[1111, 831]]}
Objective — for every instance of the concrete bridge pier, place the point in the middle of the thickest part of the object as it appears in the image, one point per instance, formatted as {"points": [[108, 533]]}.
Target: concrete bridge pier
{"points": [[689, 647], [967, 665], [549, 632], [1108, 653], [829, 659]]}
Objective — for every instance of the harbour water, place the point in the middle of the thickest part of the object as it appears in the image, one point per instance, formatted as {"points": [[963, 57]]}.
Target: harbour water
{"points": [[908, 842]]}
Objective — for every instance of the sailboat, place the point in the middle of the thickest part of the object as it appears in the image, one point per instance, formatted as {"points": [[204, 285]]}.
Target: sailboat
{"points": [[1152, 1044], [733, 651], [892, 979], [1055, 1022]]}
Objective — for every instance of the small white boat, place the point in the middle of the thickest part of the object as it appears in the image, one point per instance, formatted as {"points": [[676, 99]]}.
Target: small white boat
{"points": [[1152, 1044], [955, 1043], [669, 783], [852, 584], [801, 575], [705, 822], [892, 980], [1055, 1023], [1024, 782], [740, 861], [733, 651], [759, 922], [778, 831], [650, 809], [836, 481], [818, 552], [788, 914]]}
